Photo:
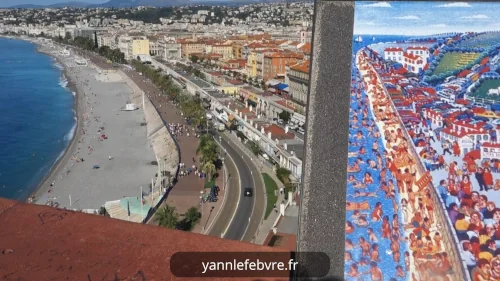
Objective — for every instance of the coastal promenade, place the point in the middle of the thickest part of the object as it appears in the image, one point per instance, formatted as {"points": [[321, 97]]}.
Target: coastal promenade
{"points": [[186, 191], [423, 214]]}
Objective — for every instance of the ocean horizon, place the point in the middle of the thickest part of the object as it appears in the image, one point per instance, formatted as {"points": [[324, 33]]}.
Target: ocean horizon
{"points": [[37, 120]]}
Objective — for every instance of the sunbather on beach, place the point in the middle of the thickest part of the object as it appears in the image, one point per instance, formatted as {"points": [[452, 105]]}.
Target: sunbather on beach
{"points": [[363, 194], [352, 206]]}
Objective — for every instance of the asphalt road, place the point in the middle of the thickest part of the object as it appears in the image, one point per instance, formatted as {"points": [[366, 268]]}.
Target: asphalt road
{"points": [[250, 210], [232, 195]]}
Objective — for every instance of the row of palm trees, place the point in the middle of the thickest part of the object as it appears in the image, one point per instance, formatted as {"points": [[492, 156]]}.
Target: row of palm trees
{"points": [[207, 149]]}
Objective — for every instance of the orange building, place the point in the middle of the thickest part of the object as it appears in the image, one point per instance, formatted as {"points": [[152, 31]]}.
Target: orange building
{"points": [[190, 46], [275, 64]]}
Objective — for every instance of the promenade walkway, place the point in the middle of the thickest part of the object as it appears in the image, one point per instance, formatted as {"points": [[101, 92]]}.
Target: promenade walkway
{"points": [[186, 191]]}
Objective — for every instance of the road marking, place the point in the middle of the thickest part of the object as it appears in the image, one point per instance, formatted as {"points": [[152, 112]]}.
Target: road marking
{"points": [[223, 201], [254, 199], [239, 194]]}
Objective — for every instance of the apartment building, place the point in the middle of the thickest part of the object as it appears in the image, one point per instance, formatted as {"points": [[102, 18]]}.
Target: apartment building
{"points": [[252, 64], [133, 46], [107, 39], [237, 51], [226, 50], [274, 65], [156, 46], [297, 79], [191, 46]]}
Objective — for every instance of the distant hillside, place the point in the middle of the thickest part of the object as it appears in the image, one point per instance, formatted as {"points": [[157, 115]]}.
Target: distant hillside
{"points": [[153, 3], [57, 5]]}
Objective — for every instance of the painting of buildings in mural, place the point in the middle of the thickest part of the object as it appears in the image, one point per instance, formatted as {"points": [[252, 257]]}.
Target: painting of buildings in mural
{"points": [[424, 158]]}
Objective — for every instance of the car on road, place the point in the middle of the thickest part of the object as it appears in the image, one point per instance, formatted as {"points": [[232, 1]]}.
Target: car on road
{"points": [[280, 121], [301, 131], [248, 192]]}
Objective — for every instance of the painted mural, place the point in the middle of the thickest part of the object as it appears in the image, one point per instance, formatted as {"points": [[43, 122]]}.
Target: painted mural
{"points": [[424, 157]]}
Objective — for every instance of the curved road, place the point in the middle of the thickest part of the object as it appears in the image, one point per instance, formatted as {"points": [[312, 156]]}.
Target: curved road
{"points": [[249, 211]]}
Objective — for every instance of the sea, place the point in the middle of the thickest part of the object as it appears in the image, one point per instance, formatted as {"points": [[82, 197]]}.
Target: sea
{"points": [[37, 120]]}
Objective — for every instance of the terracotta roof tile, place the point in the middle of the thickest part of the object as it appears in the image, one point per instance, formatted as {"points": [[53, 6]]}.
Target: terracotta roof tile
{"points": [[53, 244]]}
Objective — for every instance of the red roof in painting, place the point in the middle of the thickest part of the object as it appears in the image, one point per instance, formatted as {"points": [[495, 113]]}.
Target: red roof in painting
{"points": [[393, 49], [485, 69], [428, 90], [485, 61], [491, 145], [420, 48], [411, 56], [451, 132], [401, 70], [464, 73], [426, 67]]}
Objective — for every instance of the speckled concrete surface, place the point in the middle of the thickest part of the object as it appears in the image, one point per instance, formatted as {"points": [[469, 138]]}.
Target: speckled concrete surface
{"points": [[322, 213]]}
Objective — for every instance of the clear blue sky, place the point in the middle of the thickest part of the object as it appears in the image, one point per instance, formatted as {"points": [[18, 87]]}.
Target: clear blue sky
{"points": [[8, 3], [424, 18]]}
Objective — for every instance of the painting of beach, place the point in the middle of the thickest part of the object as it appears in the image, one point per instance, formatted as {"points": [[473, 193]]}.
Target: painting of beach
{"points": [[424, 158]]}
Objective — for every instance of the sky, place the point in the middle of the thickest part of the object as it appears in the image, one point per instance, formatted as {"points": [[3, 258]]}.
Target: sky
{"points": [[424, 18], [8, 3]]}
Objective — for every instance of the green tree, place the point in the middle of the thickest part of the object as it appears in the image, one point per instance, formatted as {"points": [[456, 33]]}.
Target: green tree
{"points": [[210, 169], [167, 217], [255, 148], [193, 58], [285, 116], [283, 174]]}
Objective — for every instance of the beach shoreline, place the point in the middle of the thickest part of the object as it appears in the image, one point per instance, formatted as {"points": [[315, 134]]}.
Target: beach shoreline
{"points": [[65, 157]]}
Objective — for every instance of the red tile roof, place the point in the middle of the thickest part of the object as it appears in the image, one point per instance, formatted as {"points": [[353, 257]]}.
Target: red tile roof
{"points": [[43, 243], [393, 49], [491, 145], [421, 48]]}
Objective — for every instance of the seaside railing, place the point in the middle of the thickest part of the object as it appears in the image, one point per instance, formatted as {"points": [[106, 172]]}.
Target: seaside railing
{"points": [[449, 237]]}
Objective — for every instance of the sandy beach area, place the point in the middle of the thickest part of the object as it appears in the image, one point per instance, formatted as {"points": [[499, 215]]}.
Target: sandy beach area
{"points": [[114, 140]]}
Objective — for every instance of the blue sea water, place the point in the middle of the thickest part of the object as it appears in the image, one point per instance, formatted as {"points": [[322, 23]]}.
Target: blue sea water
{"points": [[37, 120], [386, 262]]}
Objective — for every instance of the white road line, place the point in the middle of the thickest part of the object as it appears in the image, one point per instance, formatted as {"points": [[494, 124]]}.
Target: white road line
{"points": [[224, 183], [239, 194]]}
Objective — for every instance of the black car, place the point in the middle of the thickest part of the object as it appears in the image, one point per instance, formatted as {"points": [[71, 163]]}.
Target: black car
{"points": [[248, 192]]}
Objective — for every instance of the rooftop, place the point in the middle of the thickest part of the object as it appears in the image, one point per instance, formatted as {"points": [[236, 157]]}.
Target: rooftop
{"points": [[44, 243]]}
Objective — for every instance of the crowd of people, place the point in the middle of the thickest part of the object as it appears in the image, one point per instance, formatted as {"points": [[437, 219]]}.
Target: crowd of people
{"points": [[391, 227], [467, 187]]}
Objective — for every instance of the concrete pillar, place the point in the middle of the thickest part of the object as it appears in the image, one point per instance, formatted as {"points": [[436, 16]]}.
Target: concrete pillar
{"points": [[246, 104], [290, 197], [269, 134], [282, 209], [286, 129], [251, 108]]}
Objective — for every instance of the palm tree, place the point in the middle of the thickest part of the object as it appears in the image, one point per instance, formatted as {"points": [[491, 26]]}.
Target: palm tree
{"points": [[192, 216], [167, 217], [210, 169]]}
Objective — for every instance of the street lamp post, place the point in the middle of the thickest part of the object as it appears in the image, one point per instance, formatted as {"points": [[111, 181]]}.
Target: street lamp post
{"points": [[223, 175], [202, 192]]}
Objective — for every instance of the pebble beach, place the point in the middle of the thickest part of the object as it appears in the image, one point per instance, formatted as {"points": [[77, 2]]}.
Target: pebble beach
{"points": [[110, 156]]}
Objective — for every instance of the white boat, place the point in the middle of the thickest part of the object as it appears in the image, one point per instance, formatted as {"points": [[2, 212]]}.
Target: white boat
{"points": [[373, 38], [358, 39]]}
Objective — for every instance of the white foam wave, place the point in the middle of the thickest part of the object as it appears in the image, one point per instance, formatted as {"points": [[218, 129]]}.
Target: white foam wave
{"points": [[71, 133], [63, 82], [58, 65], [74, 94]]}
